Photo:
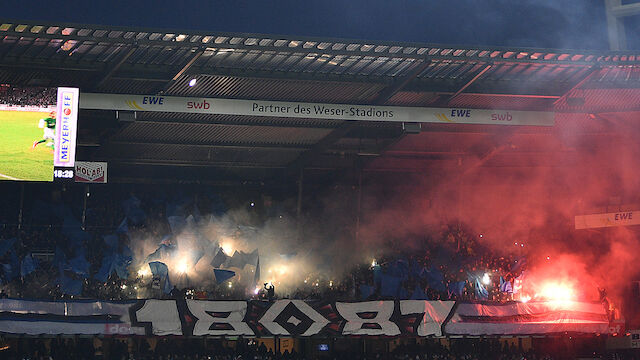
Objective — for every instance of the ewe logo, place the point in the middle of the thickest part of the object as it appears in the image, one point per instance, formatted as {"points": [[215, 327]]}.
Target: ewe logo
{"points": [[146, 100], [454, 113]]}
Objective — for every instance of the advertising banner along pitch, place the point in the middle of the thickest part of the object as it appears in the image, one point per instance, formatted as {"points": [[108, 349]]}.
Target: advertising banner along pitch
{"points": [[621, 218], [297, 318], [313, 110]]}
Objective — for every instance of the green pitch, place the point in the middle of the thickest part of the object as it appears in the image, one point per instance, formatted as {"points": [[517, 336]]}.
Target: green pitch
{"points": [[18, 131]]}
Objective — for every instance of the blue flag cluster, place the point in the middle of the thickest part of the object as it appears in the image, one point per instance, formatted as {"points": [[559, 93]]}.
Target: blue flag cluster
{"points": [[113, 260]]}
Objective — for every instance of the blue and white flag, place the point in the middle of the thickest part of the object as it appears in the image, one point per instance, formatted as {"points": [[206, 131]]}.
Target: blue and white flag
{"points": [[160, 270], [481, 291], [505, 286], [223, 275], [28, 265]]}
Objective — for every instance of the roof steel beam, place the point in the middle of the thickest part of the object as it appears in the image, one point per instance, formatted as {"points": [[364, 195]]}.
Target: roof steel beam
{"points": [[387, 93], [184, 69], [384, 96], [469, 83], [584, 79], [115, 67], [337, 47]]}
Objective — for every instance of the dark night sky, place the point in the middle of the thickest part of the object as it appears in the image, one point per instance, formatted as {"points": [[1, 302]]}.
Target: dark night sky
{"points": [[517, 23]]}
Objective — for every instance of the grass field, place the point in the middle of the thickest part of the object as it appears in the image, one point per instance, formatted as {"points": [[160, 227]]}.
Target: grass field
{"points": [[18, 131]]}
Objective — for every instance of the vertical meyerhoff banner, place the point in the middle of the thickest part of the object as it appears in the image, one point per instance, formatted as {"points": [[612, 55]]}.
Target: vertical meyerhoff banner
{"points": [[66, 127]]}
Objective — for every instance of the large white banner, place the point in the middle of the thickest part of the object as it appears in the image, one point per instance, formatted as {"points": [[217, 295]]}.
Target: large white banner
{"points": [[313, 110], [621, 218], [299, 318]]}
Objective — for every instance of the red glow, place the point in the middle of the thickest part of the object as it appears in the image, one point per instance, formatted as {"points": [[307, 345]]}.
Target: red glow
{"points": [[556, 291]]}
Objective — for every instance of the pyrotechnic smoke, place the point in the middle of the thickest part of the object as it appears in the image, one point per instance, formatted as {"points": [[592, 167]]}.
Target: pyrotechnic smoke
{"points": [[523, 198], [520, 190]]}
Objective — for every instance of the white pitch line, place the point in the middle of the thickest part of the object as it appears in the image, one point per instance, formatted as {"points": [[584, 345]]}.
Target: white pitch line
{"points": [[8, 177]]}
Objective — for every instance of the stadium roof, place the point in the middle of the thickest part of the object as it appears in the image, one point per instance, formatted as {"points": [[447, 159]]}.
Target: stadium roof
{"points": [[588, 90]]}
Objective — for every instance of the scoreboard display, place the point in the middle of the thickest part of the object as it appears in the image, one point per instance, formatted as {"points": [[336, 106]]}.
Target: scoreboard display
{"points": [[38, 128]]}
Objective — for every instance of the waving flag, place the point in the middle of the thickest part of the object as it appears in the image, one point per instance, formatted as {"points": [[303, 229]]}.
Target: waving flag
{"points": [[6, 244], [390, 285], [366, 291], [163, 251], [28, 265], [434, 278], [79, 265], [505, 286], [161, 271], [123, 228], [111, 263], [223, 275], [111, 241], [418, 294], [517, 283], [219, 259], [177, 224], [132, 210], [481, 290], [456, 288], [256, 278], [70, 285]]}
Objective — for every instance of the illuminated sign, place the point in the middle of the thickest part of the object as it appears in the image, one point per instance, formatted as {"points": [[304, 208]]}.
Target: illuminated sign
{"points": [[66, 127], [91, 172], [314, 110]]}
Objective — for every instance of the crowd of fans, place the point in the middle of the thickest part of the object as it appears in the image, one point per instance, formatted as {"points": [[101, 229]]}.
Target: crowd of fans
{"points": [[440, 272], [27, 96], [217, 349]]}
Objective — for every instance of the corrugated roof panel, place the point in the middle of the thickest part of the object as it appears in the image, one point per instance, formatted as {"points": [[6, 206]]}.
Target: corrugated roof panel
{"points": [[277, 89], [129, 86], [601, 100], [185, 133], [413, 98], [42, 77]]}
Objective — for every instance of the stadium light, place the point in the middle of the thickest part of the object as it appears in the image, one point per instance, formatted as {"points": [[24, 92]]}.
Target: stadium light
{"points": [[192, 82]]}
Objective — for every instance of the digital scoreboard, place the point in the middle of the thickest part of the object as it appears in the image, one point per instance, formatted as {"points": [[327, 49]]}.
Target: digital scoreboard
{"points": [[38, 129]]}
